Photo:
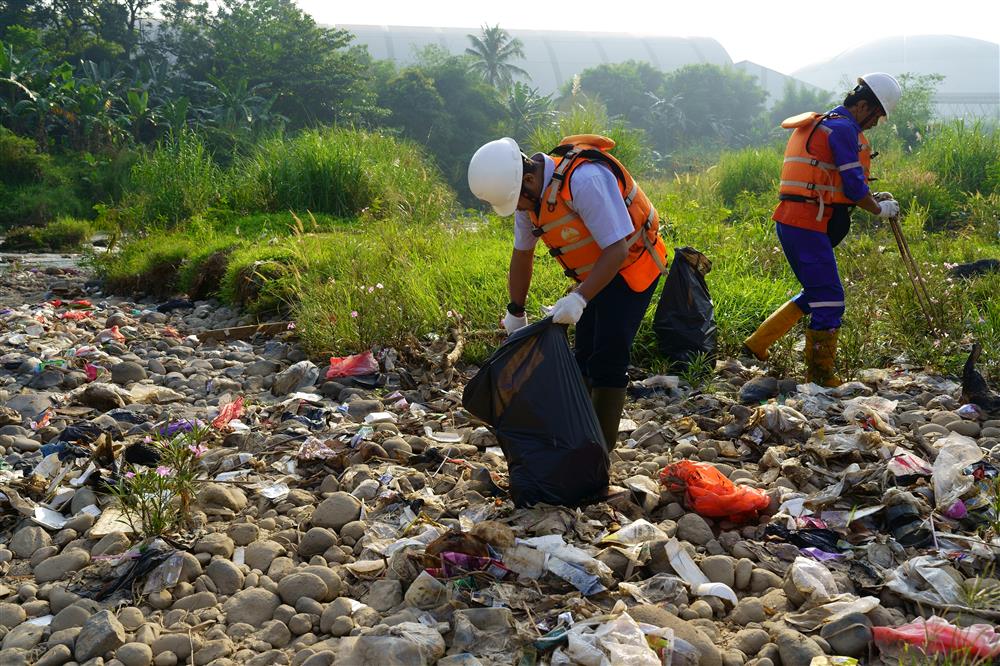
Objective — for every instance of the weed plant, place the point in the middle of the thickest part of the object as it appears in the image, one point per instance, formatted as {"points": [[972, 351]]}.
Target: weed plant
{"points": [[156, 501]]}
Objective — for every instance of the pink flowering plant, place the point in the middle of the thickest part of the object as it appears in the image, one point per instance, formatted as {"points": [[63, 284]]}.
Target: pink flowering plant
{"points": [[156, 499]]}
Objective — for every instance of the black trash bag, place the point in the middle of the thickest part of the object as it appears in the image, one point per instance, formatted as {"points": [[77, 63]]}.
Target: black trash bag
{"points": [[532, 394], [684, 322]]}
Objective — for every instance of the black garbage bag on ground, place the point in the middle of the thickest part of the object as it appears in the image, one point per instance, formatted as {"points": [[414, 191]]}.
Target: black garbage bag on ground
{"points": [[531, 393], [684, 322]]}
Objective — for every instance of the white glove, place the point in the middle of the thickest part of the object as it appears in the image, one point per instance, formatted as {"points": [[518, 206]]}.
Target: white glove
{"points": [[568, 309], [512, 323], [889, 208]]}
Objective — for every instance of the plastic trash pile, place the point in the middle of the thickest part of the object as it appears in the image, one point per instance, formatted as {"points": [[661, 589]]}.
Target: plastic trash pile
{"points": [[351, 509]]}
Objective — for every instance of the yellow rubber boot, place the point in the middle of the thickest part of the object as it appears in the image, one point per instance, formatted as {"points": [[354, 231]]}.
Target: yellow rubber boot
{"points": [[774, 327], [821, 354]]}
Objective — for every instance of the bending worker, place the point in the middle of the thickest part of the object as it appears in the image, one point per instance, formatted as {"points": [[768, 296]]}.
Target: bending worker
{"points": [[825, 174], [603, 230]]}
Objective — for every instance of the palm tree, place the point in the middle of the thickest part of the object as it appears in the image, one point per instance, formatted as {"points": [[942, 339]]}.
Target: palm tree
{"points": [[492, 51]]}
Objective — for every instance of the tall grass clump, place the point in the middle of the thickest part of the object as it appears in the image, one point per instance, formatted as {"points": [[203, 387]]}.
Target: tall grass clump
{"points": [[915, 185], [171, 183], [345, 173], [753, 170], [631, 147], [963, 155]]}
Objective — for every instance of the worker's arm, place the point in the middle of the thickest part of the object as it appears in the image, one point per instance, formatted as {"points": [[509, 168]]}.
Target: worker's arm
{"points": [[522, 262], [869, 204], [844, 146]]}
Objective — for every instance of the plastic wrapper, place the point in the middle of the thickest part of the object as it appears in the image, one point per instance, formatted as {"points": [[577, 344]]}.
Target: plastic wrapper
{"points": [[614, 642], [937, 636], [352, 366], [531, 393], [957, 452], [693, 575], [812, 580], [708, 492], [684, 322]]}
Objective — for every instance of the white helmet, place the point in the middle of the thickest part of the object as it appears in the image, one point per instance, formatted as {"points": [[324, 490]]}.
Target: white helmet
{"points": [[495, 174], [886, 89]]}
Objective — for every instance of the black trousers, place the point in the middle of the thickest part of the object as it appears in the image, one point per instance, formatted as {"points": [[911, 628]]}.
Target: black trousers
{"points": [[605, 332]]}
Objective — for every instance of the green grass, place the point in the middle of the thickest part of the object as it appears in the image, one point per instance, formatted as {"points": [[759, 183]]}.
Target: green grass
{"points": [[344, 173], [170, 184], [963, 155], [61, 235], [324, 270], [751, 170]]}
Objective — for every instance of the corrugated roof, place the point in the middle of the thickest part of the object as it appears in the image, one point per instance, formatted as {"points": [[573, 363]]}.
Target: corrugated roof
{"points": [[552, 57]]}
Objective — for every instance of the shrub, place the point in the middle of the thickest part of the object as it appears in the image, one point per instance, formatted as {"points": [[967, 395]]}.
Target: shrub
{"points": [[345, 173], [753, 170], [913, 185], [63, 234], [20, 163]]}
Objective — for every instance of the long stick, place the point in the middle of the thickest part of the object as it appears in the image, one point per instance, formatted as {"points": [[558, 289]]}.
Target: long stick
{"points": [[912, 270]]}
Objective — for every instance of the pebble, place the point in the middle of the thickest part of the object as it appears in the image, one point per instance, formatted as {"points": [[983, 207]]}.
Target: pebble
{"points": [[692, 528], [288, 562]]}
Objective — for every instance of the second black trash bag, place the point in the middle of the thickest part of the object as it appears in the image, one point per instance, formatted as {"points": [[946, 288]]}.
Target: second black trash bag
{"points": [[531, 393], [684, 322]]}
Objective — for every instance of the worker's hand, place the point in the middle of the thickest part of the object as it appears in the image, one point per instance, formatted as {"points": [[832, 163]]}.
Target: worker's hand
{"points": [[512, 323], [888, 209], [568, 309]]}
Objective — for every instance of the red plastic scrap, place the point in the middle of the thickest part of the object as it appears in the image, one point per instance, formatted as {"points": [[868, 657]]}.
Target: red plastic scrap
{"points": [[351, 366], [91, 371], [938, 636], [76, 315], [228, 412], [709, 493]]}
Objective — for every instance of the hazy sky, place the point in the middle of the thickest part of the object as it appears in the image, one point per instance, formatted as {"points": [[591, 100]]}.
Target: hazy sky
{"points": [[782, 35]]}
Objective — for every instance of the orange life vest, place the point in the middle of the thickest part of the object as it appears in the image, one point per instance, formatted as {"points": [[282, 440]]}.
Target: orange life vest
{"points": [[569, 240], [809, 175]]}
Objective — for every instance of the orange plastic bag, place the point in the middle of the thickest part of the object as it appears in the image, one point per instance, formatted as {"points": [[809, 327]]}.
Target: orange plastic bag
{"points": [[709, 493]]}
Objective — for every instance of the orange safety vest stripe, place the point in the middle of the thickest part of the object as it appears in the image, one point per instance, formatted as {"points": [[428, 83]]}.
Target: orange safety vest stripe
{"points": [[809, 173], [568, 238]]}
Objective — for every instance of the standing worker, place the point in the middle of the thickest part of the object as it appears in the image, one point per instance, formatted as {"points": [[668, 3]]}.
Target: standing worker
{"points": [[603, 230], [825, 174]]}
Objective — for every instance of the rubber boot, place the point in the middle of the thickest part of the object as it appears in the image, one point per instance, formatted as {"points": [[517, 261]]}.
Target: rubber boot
{"points": [[775, 326], [608, 404], [821, 354]]}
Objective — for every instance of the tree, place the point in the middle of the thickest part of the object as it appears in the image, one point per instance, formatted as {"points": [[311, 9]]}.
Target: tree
{"points": [[444, 105], [719, 105], [527, 110], [625, 89], [312, 73], [491, 53], [799, 99]]}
